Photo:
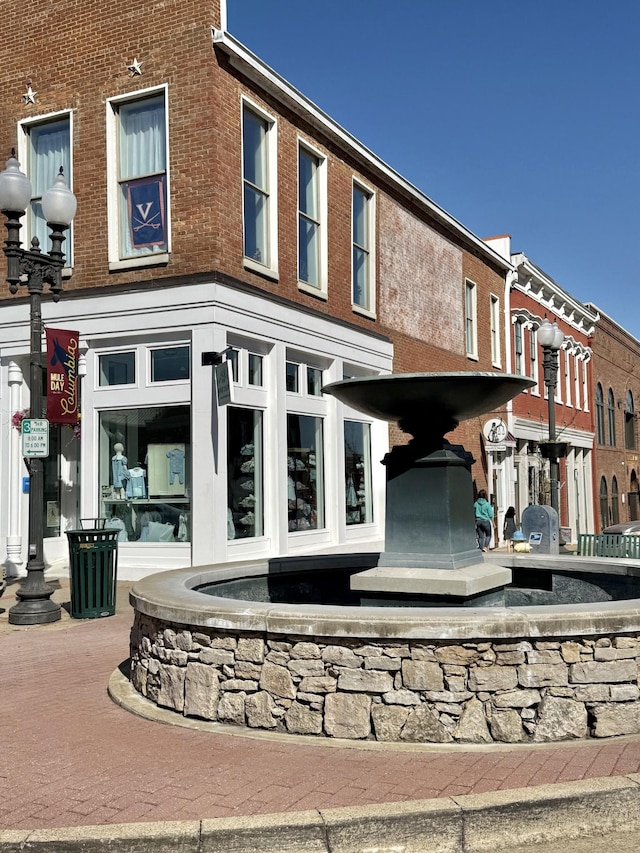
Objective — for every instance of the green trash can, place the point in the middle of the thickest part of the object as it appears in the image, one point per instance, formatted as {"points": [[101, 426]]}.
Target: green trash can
{"points": [[93, 570]]}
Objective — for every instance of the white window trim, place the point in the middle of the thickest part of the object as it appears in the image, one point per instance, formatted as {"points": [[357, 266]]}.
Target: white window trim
{"points": [[534, 360], [567, 379], [151, 348], [518, 357], [23, 156], [323, 214], [271, 269], [113, 212], [470, 287], [576, 381], [585, 385], [371, 227], [494, 312]]}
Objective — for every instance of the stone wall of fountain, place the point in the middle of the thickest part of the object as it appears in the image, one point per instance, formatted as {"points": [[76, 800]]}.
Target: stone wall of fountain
{"points": [[423, 675]]}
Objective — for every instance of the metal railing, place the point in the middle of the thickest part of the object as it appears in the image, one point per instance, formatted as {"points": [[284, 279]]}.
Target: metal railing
{"points": [[609, 545]]}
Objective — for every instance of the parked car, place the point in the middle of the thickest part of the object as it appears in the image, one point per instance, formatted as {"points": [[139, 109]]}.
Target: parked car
{"points": [[624, 528]]}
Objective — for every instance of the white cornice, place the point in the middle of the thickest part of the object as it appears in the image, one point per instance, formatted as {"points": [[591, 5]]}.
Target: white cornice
{"points": [[531, 280], [270, 81]]}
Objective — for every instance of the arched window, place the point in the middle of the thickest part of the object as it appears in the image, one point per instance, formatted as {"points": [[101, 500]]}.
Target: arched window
{"points": [[629, 424], [633, 497], [599, 414], [615, 506], [611, 418], [604, 504]]}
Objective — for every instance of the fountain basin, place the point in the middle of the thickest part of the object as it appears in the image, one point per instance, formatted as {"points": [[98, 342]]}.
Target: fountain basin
{"points": [[407, 674]]}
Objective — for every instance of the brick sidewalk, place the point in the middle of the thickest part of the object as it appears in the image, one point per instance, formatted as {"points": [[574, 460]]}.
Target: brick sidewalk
{"points": [[71, 757]]}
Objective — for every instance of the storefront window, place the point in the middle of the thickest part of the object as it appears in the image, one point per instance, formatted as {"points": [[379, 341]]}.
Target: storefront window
{"points": [[245, 513], [145, 473], [118, 368], [305, 476], [51, 507], [170, 364], [357, 469]]}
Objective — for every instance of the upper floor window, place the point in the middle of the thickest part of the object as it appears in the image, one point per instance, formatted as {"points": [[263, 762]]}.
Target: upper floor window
{"points": [[533, 350], [629, 424], [471, 319], [312, 237], [494, 307], [139, 220], [599, 414], [259, 181], [577, 384], [611, 418], [567, 378], [518, 347], [363, 248], [48, 148]]}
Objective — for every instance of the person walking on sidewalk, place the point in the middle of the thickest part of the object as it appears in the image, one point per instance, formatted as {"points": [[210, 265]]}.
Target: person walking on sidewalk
{"points": [[484, 517]]}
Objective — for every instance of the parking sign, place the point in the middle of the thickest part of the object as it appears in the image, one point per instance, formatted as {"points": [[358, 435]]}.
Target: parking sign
{"points": [[35, 437]]}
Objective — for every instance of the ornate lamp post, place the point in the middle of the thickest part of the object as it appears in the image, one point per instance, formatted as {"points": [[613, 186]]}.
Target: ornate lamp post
{"points": [[550, 337], [33, 269]]}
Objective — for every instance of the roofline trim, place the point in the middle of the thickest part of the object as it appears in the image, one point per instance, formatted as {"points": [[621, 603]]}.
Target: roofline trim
{"points": [[271, 81]]}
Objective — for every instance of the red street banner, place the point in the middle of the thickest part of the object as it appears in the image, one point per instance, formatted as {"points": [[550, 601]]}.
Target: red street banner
{"points": [[62, 376]]}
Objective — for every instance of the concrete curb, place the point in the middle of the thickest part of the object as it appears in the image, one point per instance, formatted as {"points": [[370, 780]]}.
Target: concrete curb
{"points": [[475, 823]]}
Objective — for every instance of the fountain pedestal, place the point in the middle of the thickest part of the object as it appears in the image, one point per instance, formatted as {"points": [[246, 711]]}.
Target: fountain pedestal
{"points": [[430, 543]]}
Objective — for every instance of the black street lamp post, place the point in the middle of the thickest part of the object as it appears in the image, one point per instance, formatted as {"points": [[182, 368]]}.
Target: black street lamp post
{"points": [[33, 269], [550, 338]]}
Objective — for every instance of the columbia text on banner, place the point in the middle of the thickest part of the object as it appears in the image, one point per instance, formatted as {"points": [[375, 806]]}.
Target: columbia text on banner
{"points": [[62, 376]]}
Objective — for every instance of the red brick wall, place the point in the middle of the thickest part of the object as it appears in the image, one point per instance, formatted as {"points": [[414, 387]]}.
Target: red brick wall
{"points": [[76, 55], [616, 366]]}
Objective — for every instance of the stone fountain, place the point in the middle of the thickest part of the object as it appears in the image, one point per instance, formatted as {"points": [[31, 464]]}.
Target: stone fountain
{"points": [[295, 645], [430, 542]]}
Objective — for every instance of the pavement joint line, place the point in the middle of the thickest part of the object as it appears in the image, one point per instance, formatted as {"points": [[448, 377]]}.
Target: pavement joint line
{"points": [[122, 692], [471, 823]]}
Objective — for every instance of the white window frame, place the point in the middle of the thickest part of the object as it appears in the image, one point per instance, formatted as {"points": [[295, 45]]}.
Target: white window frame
{"points": [[24, 146], [585, 384], [471, 318], [494, 312], [567, 379], [533, 359], [369, 309], [323, 244], [576, 381], [116, 262], [518, 335], [269, 269]]}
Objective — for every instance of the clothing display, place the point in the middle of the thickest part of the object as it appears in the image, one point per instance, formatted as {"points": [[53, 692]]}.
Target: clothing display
{"points": [[136, 487], [119, 471], [176, 465]]}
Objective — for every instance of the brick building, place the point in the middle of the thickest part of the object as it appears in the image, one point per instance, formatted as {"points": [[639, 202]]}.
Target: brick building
{"points": [[534, 297], [219, 211], [617, 388]]}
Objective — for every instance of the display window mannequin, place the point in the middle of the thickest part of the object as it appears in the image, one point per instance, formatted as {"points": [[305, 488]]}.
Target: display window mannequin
{"points": [[119, 470]]}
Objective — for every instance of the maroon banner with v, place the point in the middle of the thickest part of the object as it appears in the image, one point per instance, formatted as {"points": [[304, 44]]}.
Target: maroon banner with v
{"points": [[62, 376]]}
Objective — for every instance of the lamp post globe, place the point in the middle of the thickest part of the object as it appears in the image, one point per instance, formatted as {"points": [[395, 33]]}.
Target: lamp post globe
{"points": [[15, 187]]}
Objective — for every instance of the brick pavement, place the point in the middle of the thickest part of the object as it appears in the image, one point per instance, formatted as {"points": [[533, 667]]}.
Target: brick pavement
{"points": [[71, 757]]}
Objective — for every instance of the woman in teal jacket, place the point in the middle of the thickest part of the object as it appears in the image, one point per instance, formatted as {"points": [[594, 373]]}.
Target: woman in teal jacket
{"points": [[484, 517]]}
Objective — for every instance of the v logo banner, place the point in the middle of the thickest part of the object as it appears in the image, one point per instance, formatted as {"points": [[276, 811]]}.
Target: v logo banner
{"points": [[147, 223]]}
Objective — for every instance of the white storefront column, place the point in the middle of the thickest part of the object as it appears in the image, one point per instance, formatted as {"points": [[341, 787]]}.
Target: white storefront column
{"points": [[14, 562]]}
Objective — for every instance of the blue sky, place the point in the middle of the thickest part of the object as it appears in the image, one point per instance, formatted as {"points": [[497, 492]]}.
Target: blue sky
{"points": [[516, 117]]}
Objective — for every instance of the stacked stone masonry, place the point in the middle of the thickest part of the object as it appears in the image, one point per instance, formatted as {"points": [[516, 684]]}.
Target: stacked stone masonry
{"points": [[422, 692]]}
